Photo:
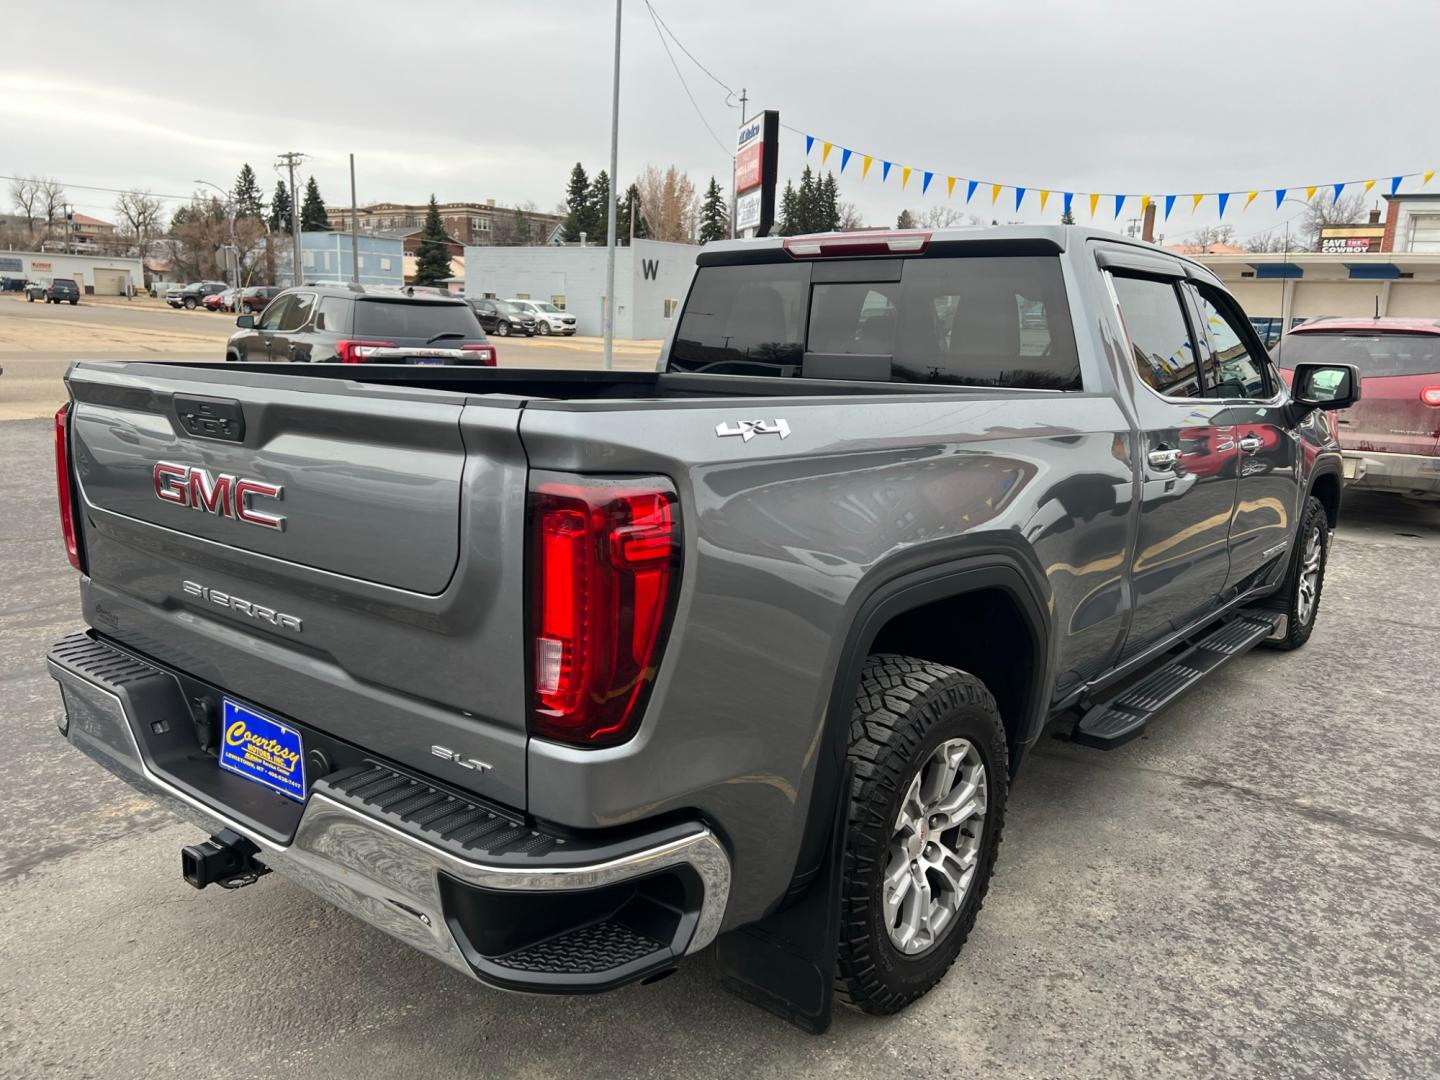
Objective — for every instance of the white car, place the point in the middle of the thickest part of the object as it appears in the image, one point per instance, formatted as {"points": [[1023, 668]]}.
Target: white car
{"points": [[549, 319]]}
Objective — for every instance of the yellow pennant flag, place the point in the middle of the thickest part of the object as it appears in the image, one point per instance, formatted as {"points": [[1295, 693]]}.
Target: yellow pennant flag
{"points": [[995, 192], [949, 186], [904, 177], [1043, 196], [1369, 184], [1310, 192], [1249, 198], [865, 168], [1195, 202], [1094, 202], [1144, 203], [1427, 177], [825, 152]]}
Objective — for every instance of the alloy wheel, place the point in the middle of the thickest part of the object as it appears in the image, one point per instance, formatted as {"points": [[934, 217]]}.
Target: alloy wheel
{"points": [[1308, 587]]}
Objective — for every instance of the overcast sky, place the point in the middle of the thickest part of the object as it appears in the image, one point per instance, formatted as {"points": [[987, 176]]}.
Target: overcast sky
{"points": [[498, 99]]}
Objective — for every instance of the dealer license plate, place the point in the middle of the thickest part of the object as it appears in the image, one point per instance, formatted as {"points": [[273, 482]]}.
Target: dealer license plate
{"points": [[428, 360], [262, 749]]}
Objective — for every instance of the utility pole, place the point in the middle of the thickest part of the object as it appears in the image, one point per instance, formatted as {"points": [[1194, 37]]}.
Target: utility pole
{"points": [[733, 204], [610, 203], [290, 159], [354, 228]]}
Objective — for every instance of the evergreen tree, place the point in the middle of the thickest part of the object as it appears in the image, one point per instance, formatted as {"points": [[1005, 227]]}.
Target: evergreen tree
{"points": [[577, 198], [789, 211], [248, 202], [312, 210], [906, 220], [597, 223], [827, 204], [522, 227], [280, 208], [1067, 217], [432, 263], [805, 203], [623, 210], [714, 215]]}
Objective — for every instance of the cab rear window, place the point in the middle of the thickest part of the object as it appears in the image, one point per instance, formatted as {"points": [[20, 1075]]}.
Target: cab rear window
{"points": [[399, 318], [1376, 355], [983, 321]]}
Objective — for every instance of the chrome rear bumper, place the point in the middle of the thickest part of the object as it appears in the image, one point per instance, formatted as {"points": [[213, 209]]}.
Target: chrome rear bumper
{"points": [[1412, 474]]}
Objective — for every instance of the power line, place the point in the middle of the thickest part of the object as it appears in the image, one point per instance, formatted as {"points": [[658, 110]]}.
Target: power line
{"points": [[718, 82], [655, 19], [92, 187]]}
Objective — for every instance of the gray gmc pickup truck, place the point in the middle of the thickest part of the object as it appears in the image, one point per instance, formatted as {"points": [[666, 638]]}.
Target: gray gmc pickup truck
{"points": [[562, 676]]}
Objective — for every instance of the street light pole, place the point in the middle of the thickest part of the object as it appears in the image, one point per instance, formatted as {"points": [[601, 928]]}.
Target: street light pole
{"points": [[610, 237]]}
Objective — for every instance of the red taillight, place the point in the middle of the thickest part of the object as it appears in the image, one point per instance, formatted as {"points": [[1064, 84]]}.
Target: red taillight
{"points": [[851, 245], [606, 557], [1431, 395], [357, 352], [62, 485], [484, 354]]}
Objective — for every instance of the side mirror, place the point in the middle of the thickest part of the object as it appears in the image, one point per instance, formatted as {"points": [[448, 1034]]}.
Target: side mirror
{"points": [[1325, 386], [245, 322]]}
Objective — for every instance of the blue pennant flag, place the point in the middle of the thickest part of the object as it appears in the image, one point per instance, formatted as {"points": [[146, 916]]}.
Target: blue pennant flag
{"points": [[1338, 189], [925, 183], [1223, 198], [970, 189], [1069, 198], [1279, 196], [1019, 194], [809, 142], [844, 158], [884, 171], [1395, 184], [1119, 202], [1169, 202]]}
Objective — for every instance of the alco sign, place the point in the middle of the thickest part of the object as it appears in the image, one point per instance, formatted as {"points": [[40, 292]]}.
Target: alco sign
{"points": [[757, 155]]}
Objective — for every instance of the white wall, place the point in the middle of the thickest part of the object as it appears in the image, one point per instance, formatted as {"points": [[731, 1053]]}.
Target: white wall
{"points": [[660, 272], [44, 266]]}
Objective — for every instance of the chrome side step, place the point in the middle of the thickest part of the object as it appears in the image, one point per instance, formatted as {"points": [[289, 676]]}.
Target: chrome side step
{"points": [[1119, 719]]}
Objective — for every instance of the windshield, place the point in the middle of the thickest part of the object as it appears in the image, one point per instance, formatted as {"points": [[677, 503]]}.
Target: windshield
{"points": [[504, 308], [1374, 354], [400, 319], [980, 321], [549, 309]]}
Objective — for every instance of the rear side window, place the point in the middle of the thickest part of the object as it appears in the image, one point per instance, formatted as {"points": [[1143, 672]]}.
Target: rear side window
{"points": [[399, 318], [992, 321], [332, 314], [1160, 345], [1376, 355]]}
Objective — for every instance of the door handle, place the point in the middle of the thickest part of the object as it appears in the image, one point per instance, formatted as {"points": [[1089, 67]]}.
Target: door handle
{"points": [[1164, 458], [1250, 444]]}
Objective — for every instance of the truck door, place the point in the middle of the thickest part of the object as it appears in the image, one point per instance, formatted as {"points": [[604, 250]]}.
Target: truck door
{"points": [[1238, 375], [1187, 460]]}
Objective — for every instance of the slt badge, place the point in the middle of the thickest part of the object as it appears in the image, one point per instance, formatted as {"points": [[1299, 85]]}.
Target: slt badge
{"points": [[748, 429]]}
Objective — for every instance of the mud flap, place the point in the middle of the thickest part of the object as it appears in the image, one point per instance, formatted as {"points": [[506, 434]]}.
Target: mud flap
{"points": [[785, 963]]}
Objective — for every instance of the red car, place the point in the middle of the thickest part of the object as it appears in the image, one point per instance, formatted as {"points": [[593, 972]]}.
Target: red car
{"points": [[220, 301], [1391, 437]]}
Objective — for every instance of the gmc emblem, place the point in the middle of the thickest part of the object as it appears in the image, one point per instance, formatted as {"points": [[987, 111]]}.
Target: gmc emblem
{"points": [[223, 495]]}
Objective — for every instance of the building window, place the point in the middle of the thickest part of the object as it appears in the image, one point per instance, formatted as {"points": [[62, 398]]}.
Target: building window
{"points": [[360, 261], [384, 264], [484, 224], [491, 296], [522, 296], [670, 306], [307, 259], [558, 299]]}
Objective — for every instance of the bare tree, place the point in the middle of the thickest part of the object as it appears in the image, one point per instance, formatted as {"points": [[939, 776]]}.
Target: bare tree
{"points": [[671, 206], [944, 217], [1209, 234], [850, 218], [1275, 240], [1320, 211], [142, 216], [40, 200]]}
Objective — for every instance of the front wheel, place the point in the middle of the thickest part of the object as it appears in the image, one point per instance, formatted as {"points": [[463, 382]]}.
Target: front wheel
{"points": [[1299, 598], [544, 329], [926, 809], [189, 303], [502, 329]]}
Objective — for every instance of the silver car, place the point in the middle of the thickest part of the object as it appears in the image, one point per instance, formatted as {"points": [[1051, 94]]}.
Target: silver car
{"points": [[549, 319]]}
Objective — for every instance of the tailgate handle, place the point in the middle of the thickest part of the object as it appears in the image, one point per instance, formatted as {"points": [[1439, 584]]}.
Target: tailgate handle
{"points": [[211, 418]]}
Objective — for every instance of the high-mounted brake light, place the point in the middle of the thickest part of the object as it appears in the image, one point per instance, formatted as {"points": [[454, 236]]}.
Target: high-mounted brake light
{"points": [[62, 486], [1431, 395], [485, 354], [853, 245], [357, 352], [605, 564]]}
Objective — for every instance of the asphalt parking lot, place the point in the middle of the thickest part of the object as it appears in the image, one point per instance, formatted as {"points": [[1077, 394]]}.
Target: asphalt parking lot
{"points": [[1251, 890]]}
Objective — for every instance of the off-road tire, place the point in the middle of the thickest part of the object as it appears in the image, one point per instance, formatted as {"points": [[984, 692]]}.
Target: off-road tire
{"points": [[904, 708], [1287, 599]]}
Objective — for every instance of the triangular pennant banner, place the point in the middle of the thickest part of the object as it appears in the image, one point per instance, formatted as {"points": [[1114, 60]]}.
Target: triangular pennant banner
{"points": [[904, 177], [1195, 202], [1310, 192], [995, 192], [865, 164], [1249, 198], [809, 142], [925, 181], [1019, 196], [1044, 195], [825, 152], [1223, 198], [1144, 203], [970, 189], [1065, 205], [844, 158], [949, 186], [1169, 205], [1119, 202], [1338, 189], [1094, 202], [1395, 183], [1369, 184], [884, 171], [1426, 178], [1280, 196]]}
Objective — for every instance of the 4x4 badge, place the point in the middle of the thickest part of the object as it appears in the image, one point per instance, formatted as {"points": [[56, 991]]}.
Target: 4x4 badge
{"points": [[748, 429]]}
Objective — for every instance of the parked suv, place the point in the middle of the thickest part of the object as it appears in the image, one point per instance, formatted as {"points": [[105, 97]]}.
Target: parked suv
{"points": [[1391, 438], [549, 319], [193, 295], [53, 292], [501, 318], [350, 325], [254, 298]]}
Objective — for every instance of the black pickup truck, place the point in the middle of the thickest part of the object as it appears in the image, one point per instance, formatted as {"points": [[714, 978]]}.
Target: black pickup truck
{"points": [[561, 676]]}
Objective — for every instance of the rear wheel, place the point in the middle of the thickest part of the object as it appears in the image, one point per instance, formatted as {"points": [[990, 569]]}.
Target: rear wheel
{"points": [[1299, 598], [926, 810]]}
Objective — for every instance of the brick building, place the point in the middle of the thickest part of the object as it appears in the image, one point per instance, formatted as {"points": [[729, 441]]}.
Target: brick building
{"points": [[468, 223]]}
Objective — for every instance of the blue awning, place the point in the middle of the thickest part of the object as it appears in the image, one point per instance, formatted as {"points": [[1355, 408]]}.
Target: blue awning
{"points": [[1373, 271], [1278, 270]]}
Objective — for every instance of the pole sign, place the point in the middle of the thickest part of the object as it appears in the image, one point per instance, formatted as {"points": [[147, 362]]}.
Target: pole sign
{"points": [[757, 159]]}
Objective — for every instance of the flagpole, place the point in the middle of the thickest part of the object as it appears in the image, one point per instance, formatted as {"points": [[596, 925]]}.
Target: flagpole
{"points": [[610, 204]]}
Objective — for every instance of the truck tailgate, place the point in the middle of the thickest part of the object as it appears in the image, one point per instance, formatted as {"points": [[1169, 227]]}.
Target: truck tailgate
{"points": [[347, 555]]}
